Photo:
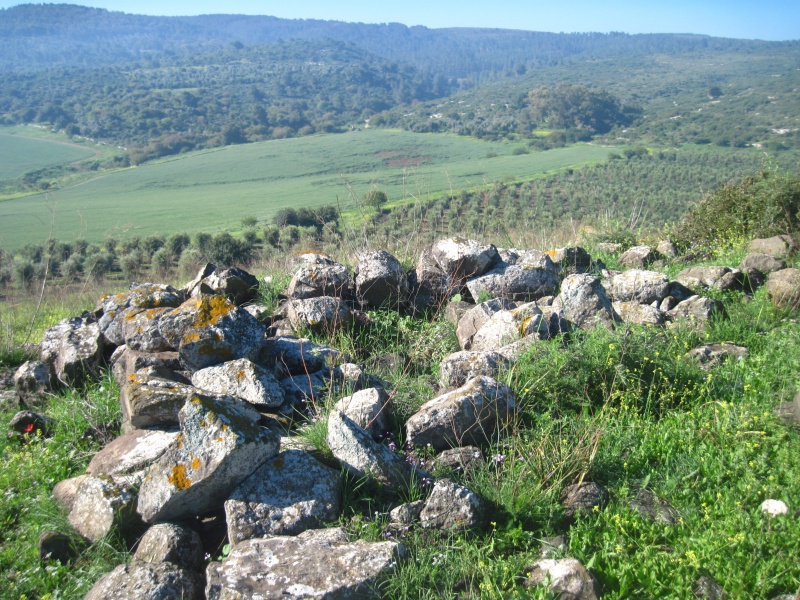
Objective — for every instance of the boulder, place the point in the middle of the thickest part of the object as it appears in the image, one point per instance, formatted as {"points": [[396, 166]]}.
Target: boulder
{"points": [[571, 260], [779, 246], [299, 356], [319, 563], [321, 276], [474, 318], [301, 389], [638, 257], [453, 507], [519, 282], [582, 498], [429, 286], [114, 309], [639, 314], [65, 491], [125, 459], [287, 495], [710, 355], [506, 327], [473, 414], [584, 302], [762, 262], [236, 284], [34, 381], [407, 513], [101, 505], [152, 402], [608, 247], [784, 288], [141, 330], [708, 589], [220, 444], [667, 249], [322, 314], [700, 277], [567, 579], [74, 349], [148, 581], [380, 280], [458, 368], [461, 258], [126, 362], [242, 379], [697, 309], [169, 542], [654, 508], [371, 409], [210, 330], [635, 285], [363, 457]]}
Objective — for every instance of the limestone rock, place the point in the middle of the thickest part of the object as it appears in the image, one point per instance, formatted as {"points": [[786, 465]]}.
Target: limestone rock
{"points": [[362, 456], [458, 459], [141, 330], [584, 302], [582, 497], [763, 262], [299, 356], [520, 282], [320, 314], [126, 458], [221, 444], [102, 505], [126, 362], [321, 277], [33, 381], [234, 283], [474, 318], [704, 276], [697, 309], [461, 259], [784, 288], [287, 495], [567, 577], [210, 330], [667, 248], [406, 514], [458, 368], [708, 589], [637, 257], [472, 414], [151, 402], [654, 508], [710, 355], [452, 506], [635, 285], [429, 285], [779, 246], [608, 247], [74, 348], [65, 491], [151, 581], [169, 542], [371, 409], [114, 309], [639, 314], [571, 260], [243, 379], [315, 564], [380, 280]]}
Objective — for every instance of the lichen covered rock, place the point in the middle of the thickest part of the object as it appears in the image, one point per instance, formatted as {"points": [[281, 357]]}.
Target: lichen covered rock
{"points": [[243, 379]]}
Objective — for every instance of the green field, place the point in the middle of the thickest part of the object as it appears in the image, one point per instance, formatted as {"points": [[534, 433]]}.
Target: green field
{"points": [[21, 154], [213, 190]]}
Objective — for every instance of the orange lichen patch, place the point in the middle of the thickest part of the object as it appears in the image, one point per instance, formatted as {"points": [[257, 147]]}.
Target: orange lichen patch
{"points": [[219, 439], [191, 337], [224, 427], [550, 253], [196, 400], [239, 375], [178, 478], [196, 463], [203, 424], [210, 309], [120, 296]]}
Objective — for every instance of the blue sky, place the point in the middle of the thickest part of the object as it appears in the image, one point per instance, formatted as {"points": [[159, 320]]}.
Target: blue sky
{"points": [[763, 19]]}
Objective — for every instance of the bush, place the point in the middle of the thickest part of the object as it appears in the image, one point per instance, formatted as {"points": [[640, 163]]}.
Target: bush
{"points": [[224, 249], [131, 264], [763, 205], [375, 198]]}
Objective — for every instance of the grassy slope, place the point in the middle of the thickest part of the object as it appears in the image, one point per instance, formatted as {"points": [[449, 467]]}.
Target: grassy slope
{"points": [[215, 189], [20, 154]]}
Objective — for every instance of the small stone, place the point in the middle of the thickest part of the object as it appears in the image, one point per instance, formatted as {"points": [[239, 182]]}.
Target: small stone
{"points": [[708, 589], [773, 508], [169, 542], [452, 506], [654, 508], [567, 577], [582, 498], [148, 581], [406, 514]]}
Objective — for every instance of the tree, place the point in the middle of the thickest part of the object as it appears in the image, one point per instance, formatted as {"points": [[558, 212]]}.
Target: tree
{"points": [[714, 92], [375, 198], [578, 107]]}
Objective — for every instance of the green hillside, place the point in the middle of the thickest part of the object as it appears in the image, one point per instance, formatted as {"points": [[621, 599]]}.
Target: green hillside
{"points": [[215, 189], [20, 155]]}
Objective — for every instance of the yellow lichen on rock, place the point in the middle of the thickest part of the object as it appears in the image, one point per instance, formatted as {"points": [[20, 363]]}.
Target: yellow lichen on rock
{"points": [[210, 309], [179, 479]]}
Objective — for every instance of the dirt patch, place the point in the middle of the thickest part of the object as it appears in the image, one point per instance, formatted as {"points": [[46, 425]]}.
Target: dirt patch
{"points": [[407, 161]]}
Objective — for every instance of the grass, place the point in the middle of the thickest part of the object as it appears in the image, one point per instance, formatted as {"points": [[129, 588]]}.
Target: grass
{"points": [[19, 155], [623, 408], [221, 186]]}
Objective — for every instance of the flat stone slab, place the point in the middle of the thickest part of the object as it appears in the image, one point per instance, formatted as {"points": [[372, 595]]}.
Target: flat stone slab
{"points": [[243, 379]]}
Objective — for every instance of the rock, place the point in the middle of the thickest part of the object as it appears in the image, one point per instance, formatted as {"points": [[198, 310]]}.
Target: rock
{"points": [[57, 546], [210, 330], [148, 581], [406, 514], [127, 362], [461, 259], [639, 314], [320, 314], [762, 262], [679, 292], [708, 589], [519, 282], [221, 444], [300, 389], [141, 330], [789, 412], [458, 459], [114, 309], [451, 506], [380, 280], [779, 246], [608, 247], [472, 414], [774, 508], [697, 309], [456, 309], [315, 564], [242, 379], [475, 318], [169, 542], [710, 355], [299, 356], [65, 491], [784, 288], [74, 349], [635, 285], [34, 381], [506, 327], [236, 284], [458, 368], [287, 495], [702, 277], [571, 260], [637, 257], [362, 456], [152, 402], [321, 277], [429, 285], [126, 458], [583, 301], [654, 508], [667, 249], [101, 505], [29, 423], [567, 578], [371, 409], [582, 497]]}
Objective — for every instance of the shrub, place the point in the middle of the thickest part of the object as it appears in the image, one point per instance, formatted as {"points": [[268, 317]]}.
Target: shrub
{"points": [[375, 198], [131, 264]]}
